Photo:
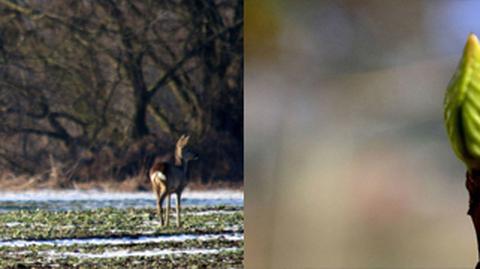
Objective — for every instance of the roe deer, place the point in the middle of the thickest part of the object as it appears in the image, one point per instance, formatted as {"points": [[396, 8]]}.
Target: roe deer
{"points": [[168, 178]]}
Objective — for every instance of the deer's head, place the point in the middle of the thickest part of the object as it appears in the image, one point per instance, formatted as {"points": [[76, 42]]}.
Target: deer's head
{"points": [[183, 154], [189, 155]]}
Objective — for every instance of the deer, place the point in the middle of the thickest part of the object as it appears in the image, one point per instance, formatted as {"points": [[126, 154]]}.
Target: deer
{"points": [[171, 178]]}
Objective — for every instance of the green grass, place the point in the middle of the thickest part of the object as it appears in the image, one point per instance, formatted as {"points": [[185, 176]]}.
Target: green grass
{"points": [[114, 223], [222, 260], [109, 222]]}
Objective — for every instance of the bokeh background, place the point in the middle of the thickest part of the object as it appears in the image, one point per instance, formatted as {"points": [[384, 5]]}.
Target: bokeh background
{"points": [[347, 160]]}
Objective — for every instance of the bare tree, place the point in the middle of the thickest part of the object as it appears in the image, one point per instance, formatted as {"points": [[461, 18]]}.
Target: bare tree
{"points": [[78, 76]]}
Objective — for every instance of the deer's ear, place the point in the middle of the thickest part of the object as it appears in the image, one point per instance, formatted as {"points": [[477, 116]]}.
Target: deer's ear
{"points": [[180, 140]]}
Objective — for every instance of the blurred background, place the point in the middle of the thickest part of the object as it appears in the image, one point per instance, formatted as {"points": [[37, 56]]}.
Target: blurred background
{"points": [[347, 160]]}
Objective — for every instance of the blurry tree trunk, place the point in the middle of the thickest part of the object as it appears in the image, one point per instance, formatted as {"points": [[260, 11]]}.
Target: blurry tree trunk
{"points": [[133, 66], [139, 128]]}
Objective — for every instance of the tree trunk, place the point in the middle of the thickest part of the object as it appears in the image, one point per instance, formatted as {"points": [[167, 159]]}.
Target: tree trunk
{"points": [[140, 128], [140, 94]]}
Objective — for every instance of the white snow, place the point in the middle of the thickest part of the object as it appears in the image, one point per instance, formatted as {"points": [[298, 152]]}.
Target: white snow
{"points": [[69, 195], [211, 212], [123, 240]]}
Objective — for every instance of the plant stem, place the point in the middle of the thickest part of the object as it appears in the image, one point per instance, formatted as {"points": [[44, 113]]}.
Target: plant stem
{"points": [[473, 187]]}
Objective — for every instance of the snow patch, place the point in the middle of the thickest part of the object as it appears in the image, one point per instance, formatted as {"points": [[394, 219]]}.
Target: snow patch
{"points": [[123, 240], [78, 195]]}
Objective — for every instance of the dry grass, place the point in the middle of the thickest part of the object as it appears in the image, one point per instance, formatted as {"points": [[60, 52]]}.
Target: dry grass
{"points": [[11, 182]]}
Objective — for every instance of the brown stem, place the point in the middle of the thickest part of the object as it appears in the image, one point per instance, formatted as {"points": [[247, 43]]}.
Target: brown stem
{"points": [[473, 187]]}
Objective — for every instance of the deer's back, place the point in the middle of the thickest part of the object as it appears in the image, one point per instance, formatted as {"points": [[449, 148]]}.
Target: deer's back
{"points": [[167, 177]]}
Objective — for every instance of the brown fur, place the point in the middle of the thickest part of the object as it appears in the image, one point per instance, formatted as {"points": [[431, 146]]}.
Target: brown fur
{"points": [[158, 166], [170, 183]]}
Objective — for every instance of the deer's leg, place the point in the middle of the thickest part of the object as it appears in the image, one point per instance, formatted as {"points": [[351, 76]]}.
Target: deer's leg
{"points": [[157, 195], [178, 208], [167, 214], [160, 206]]}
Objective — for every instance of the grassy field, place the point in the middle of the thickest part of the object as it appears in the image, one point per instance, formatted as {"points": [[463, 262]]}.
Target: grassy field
{"points": [[211, 237]]}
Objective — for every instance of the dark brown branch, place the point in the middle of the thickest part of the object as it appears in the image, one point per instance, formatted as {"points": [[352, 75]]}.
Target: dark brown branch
{"points": [[69, 117], [167, 76], [162, 121], [39, 132]]}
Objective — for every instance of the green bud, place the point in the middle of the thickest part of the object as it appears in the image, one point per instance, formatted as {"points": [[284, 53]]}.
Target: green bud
{"points": [[462, 106]]}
